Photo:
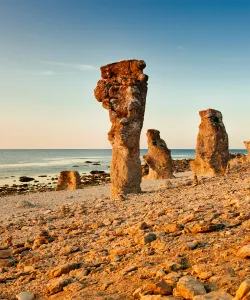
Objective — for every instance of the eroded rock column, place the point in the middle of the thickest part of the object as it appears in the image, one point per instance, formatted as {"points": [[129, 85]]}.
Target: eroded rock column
{"points": [[247, 146], [159, 157], [122, 91], [212, 153], [68, 180]]}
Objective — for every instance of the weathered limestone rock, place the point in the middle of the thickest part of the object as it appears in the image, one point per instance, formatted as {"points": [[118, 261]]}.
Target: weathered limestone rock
{"points": [[159, 157], [247, 145], [56, 285], [188, 287], [6, 259], [244, 252], [243, 291], [25, 296], [212, 153], [122, 90], [236, 162], [68, 180], [216, 295]]}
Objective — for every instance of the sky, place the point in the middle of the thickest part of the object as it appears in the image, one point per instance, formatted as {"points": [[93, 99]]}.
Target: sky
{"points": [[196, 51]]}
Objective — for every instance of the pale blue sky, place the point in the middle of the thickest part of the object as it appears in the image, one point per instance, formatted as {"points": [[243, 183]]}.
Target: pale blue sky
{"points": [[197, 55]]}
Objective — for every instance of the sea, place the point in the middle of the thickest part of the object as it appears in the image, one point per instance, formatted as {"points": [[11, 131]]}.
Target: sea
{"points": [[15, 163]]}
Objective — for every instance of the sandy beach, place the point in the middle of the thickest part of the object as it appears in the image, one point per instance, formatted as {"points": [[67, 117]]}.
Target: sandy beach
{"points": [[82, 245]]}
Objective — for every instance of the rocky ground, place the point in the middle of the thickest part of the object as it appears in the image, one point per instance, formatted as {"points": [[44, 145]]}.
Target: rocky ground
{"points": [[176, 239]]}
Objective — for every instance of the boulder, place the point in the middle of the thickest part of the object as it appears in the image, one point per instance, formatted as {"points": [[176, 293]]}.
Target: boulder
{"points": [[188, 287]]}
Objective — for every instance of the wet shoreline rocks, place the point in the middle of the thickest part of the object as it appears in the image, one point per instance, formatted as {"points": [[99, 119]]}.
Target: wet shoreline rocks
{"points": [[94, 177]]}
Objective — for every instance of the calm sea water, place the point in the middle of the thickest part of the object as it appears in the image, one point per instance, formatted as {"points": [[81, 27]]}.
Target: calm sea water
{"points": [[50, 162]]}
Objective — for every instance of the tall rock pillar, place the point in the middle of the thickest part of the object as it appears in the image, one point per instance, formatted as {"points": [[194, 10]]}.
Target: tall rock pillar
{"points": [[212, 153], [158, 158], [122, 91], [247, 146]]}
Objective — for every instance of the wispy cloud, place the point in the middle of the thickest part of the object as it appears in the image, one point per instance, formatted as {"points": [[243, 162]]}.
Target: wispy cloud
{"points": [[79, 67], [46, 73]]}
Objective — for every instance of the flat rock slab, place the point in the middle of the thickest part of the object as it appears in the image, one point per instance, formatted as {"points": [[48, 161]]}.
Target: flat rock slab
{"points": [[216, 295], [244, 252], [25, 296], [188, 287]]}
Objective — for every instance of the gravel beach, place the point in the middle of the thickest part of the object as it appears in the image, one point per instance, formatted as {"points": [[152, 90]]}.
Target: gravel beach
{"points": [[82, 245]]}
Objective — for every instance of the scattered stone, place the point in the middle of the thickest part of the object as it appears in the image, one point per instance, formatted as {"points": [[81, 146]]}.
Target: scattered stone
{"points": [[5, 253], [172, 266], [42, 238], [243, 291], [188, 287], [25, 204], [26, 179], [149, 237], [216, 295], [207, 228], [244, 252], [65, 269], [203, 271], [57, 285], [25, 296]]}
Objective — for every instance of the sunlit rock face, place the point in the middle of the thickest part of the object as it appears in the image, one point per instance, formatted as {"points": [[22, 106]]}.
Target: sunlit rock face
{"points": [[212, 153], [159, 157], [68, 180], [247, 146], [122, 91]]}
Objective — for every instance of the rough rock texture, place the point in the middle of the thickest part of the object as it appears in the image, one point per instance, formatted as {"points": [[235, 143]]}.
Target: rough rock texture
{"points": [[236, 162], [212, 153], [247, 145], [188, 287], [243, 291], [159, 157], [122, 90], [216, 295], [68, 180], [99, 252]]}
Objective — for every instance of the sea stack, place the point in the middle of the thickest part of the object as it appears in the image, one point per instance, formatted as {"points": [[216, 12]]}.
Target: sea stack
{"points": [[158, 158], [122, 91], [68, 180], [247, 146], [212, 153]]}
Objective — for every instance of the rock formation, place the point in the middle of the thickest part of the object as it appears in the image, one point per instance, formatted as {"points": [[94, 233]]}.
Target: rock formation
{"points": [[247, 145], [159, 157], [212, 153], [122, 90], [68, 180]]}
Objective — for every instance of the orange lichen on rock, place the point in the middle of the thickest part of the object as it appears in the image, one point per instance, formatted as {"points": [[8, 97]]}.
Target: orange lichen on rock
{"points": [[159, 157], [68, 180], [122, 90], [212, 153]]}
